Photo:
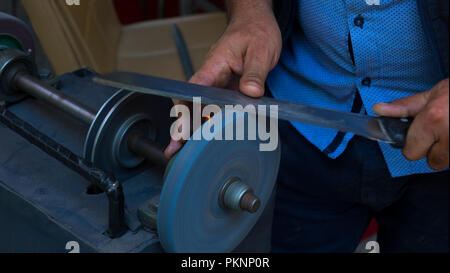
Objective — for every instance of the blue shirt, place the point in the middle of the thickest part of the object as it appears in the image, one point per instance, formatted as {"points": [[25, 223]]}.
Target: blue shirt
{"points": [[392, 59]]}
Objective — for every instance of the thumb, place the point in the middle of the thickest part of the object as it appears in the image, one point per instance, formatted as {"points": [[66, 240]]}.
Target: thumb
{"points": [[404, 107]]}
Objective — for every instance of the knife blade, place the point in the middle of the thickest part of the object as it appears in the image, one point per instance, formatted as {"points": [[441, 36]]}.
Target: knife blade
{"points": [[385, 129]]}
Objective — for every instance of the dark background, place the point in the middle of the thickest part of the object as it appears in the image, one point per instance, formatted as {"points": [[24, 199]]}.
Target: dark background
{"points": [[132, 11]]}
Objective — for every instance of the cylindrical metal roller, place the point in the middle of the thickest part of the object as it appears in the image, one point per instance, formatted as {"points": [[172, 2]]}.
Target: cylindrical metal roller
{"points": [[145, 147], [40, 90], [109, 144]]}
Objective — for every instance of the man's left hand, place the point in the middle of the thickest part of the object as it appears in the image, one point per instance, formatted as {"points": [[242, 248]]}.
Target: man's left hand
{"points": [[428, 134]]}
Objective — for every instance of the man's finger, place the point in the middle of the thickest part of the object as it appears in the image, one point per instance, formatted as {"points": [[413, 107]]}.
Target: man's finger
{"points": [[438, 157], [173, 147], [404, 107], [257, 65], [214, 72], [419, 139]]}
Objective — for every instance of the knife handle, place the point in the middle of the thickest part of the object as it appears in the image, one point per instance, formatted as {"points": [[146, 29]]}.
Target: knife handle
{"points": [[396, 129]]}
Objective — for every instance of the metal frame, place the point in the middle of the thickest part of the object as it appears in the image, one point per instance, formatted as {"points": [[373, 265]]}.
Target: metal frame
{"points": [[99, 178]]}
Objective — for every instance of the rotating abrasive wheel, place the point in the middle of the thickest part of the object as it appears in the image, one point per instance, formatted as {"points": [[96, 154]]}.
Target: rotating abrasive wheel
{"points": [[192, 216], [125, 113]]}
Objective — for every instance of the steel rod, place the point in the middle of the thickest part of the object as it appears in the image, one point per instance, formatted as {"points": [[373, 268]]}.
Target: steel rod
{"points": [[41, 90], [147, 148]]}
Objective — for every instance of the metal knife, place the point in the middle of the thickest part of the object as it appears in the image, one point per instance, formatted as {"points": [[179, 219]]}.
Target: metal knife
{"points": [[385, 129]]}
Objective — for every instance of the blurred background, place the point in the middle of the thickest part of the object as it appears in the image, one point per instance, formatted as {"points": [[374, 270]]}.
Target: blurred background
{"points": [[130, 35], [133, 11]]}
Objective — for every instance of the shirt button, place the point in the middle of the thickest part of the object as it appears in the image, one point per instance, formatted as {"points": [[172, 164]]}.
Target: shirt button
{"points": [[359, 21], [366, 81]]}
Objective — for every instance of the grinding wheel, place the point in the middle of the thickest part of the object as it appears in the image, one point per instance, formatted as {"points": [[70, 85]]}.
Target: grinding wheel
{"points": [[190, 217], [125, 112]]}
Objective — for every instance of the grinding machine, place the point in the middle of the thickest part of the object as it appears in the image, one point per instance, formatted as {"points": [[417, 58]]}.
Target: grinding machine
{"points": [[82, 162]]}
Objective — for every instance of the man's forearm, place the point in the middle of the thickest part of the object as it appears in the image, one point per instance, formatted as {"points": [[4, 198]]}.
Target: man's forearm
{"points": [[244, 8]]}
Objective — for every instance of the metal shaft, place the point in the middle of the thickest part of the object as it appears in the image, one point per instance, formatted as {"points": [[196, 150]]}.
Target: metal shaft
{"points": [[147, 148], [38, 89], [250, 202], [237, 195], [41, 90]]}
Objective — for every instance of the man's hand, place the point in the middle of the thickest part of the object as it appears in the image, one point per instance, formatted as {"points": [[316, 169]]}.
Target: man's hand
{"points": [[428, 134], [242, 58]]}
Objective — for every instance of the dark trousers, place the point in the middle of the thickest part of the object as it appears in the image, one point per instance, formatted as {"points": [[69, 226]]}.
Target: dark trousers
{"points": [[325, 205]]}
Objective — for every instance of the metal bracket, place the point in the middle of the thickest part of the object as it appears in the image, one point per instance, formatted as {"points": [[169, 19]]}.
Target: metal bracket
{"points": [[99, 178]]}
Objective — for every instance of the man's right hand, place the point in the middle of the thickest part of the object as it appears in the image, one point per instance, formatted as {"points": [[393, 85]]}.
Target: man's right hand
{"points": [[242, 58]]}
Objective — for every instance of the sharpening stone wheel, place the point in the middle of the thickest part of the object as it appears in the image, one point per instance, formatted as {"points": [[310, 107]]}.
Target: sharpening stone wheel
{"points": [[190, 218], [106, 144]]}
